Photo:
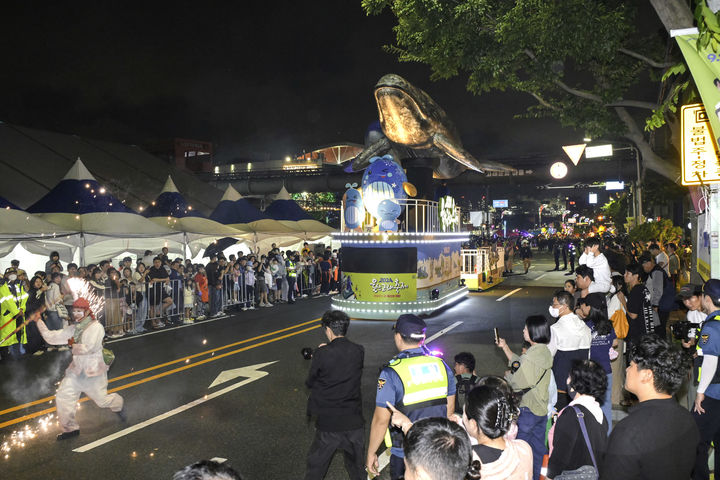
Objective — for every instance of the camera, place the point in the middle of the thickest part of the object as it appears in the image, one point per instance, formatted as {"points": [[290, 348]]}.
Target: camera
{"points": [[307, 353], [681, 330]]}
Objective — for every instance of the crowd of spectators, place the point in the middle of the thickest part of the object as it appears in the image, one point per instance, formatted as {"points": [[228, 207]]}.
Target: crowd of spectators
{"points": [[156, 291]]}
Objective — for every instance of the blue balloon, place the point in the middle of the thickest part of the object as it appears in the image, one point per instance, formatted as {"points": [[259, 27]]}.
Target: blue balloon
{"points": [[383, 179]]}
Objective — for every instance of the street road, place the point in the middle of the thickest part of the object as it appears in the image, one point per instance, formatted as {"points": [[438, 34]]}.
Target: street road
{"points": [[230, 388]]}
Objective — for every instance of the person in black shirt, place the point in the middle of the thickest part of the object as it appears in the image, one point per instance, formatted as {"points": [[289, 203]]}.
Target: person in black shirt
{"points": [[157, 279], [639, 307], [335, 400], [659, 438]]}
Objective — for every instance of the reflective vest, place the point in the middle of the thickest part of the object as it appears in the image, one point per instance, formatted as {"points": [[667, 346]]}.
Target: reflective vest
{"points": [[697, 363], [10, 305], [425, 384], [291, 269]]}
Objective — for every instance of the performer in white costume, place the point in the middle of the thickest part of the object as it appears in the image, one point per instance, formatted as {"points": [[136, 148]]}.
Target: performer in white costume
{"points": [[88, 371]]}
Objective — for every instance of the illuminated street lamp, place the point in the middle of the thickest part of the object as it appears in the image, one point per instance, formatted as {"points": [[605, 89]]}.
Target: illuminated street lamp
{"points": [[558, 170]]}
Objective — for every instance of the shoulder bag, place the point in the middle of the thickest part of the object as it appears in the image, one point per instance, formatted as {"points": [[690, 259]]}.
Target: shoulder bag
{"points": [[586, 472]]}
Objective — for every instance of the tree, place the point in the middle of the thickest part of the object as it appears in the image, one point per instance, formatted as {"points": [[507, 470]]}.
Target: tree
{"points": [[579, 59], [617, 211], [663, 231]]}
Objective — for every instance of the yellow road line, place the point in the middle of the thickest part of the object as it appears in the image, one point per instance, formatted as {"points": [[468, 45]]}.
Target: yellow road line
{"points": [[155, 367]]}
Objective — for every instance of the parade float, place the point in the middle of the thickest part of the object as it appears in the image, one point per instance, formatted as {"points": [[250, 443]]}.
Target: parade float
{"points": [[402, 252]]}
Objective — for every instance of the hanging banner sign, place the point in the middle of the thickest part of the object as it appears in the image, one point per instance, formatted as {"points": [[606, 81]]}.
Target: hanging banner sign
{"points": [[699, 143]]}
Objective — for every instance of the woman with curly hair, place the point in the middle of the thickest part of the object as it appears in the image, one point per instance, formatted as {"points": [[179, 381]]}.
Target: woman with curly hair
{"points": [[568, 439], [489, 415]]}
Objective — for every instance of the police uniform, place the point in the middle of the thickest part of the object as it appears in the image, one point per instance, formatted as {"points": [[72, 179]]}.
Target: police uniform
{"points": [[417, 384], [708, 423], [12, 299]]}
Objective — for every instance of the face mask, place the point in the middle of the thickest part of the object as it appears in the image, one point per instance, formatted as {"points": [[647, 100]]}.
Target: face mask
{"points": [[572, 393], [554, 312], [78, 314]]}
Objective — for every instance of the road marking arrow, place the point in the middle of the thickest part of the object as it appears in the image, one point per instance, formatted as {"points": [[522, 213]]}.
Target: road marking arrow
{"points": [[251, 372]]}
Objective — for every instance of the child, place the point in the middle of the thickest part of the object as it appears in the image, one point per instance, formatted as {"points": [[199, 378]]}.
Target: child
{"points": [[465, 377], [189, 300], [236, 272], [201, 286], [249, 287]]}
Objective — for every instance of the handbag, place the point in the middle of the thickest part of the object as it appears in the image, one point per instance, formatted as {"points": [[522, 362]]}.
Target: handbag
{"points": [[62, 311], [620, 323], [586, 472]]}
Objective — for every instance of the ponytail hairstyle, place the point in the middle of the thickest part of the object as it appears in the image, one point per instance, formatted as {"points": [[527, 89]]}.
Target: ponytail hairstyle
{"points": [[490, 409], [473, 472], [503, 386]]}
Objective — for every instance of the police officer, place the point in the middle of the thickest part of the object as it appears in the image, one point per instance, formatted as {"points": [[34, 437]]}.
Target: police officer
{"points": [[12, 302], [415, 382], [707, 402], [291, 276]]}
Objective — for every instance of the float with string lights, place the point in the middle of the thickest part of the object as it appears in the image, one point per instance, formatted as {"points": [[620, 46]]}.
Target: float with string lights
{"points": [[405, 261]]}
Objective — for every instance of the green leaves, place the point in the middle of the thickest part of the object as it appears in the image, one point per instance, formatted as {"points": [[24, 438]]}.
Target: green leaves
{"points": [[562, 51]]}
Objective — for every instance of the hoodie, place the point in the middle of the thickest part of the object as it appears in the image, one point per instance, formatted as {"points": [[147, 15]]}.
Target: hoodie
{"points": [[533, 373], [515, 463]]}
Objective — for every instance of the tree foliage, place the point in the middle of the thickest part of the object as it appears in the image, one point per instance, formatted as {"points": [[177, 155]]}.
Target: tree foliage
{"points": [[617, 211], [578, 58], [663, 231]]}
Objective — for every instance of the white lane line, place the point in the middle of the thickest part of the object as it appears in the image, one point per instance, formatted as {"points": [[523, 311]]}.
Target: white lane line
{"points": [[508, 294], [384, 457], [541, 276], [442, 332], [163, 416]]}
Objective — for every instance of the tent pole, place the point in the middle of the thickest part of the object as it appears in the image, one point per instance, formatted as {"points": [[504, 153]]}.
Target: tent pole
{"points": [[185, 246], [82, 248]]}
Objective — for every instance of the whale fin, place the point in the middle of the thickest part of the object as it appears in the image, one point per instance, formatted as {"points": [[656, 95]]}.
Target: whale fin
{"points": [[460, 155], [375, 149]]}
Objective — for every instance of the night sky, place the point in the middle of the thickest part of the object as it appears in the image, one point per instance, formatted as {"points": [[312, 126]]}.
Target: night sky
{"points": [[260, 79]]}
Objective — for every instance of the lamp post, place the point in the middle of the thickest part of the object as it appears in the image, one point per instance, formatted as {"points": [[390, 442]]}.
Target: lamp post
{"points": [[608, 150]]}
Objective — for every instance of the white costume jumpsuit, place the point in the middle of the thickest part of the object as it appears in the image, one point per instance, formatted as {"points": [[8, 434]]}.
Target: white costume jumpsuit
{"points": [[87, 373]]}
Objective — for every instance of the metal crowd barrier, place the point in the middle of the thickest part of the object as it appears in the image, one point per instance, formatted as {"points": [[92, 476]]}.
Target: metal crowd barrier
{"points": [[130, 308]]}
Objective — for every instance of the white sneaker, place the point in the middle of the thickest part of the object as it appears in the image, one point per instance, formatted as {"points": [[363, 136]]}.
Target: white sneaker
{"points": [[63, 349], [304, 295], [244, 309], [251, 307], [201, 317], [38, 353]]}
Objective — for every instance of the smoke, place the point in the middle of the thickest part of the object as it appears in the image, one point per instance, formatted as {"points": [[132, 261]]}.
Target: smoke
{"points": [[25, 385]]}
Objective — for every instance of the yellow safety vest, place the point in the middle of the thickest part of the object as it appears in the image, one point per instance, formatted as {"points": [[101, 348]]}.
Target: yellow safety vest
{"points": [[10, 306], [291, 269], [425, 384]]}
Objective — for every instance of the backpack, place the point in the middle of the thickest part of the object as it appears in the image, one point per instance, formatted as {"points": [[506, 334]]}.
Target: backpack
{"points": [[667, 300], [464, 385]]}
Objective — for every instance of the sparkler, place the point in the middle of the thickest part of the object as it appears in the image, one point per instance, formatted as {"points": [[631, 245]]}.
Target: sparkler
{"points": [[19, 439]]}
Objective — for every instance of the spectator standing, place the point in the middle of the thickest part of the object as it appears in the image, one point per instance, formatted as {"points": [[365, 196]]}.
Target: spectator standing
{"points": [[35, 302], [214, 281], [532, 379], [658, 439], [569, 340], [662, 292], [617, 312], [640, 314], [113, 317], [595, 259], [692, 296], [158, 277], [140, 280], [465, 378], [602, 350], [579, 436], [335, 400], [290, 267], [673, 263], [249, 288], [54, 261], [53, 299], [526, 255], [660, 258], [201, 284], [189, 301]]}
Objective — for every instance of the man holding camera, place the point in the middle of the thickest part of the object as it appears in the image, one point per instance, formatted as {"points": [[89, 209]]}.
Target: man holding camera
{"points": [[335, 400]]}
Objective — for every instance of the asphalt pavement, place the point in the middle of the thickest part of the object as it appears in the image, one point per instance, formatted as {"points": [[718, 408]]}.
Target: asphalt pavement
{"points": [[231, 388]]}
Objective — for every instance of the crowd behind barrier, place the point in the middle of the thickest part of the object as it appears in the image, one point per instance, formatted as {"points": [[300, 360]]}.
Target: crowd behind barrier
{"points": [[156, 292]]}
